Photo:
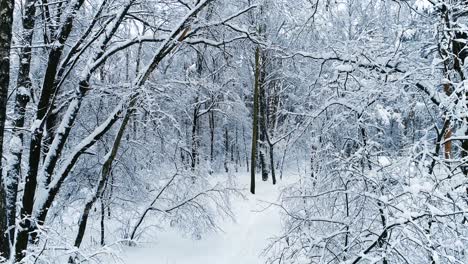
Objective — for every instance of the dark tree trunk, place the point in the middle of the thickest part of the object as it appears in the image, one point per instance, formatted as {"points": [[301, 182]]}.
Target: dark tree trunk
{"points": [[262, 160], [255, 120], [346, 243], [212, 135], [272, 163], [226, 149], [111, 193], [23, 90], [103, 219], [6, 22], [237, 152], [263, 123], [194, 135]]}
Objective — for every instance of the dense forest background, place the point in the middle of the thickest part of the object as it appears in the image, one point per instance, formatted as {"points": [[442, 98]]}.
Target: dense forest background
{"points": [[120, 117]]}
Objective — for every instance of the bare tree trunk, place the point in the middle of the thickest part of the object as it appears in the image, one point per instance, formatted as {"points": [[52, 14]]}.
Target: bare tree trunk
{"points": [[196, 117], [194, 134], [103, 218], [237, 158], [23, 90], [384, 236], [6, 22], [263, 122], [111, 193], [226, 149], [346, 243], [255, 120], [283, 158], [448, 132], [272, 163], [212, 135], [245, 149]]}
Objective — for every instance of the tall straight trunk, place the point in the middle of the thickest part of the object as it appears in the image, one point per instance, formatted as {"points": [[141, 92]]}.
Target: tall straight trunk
{"points": [[212, 134], [111, 193], [6, 22], [237, 152], [464, 154], [196, 117], [23, 90], [226, 149], [231, 148], [245, 149], [103, 218], [272, 163], [283, 157], [194, 150], [263, 122], [182, 150], [346, 242], [262, 159], [255, 120]]}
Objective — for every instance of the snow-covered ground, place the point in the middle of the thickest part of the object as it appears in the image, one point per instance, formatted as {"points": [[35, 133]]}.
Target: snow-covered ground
{"points": [[242, 241]]}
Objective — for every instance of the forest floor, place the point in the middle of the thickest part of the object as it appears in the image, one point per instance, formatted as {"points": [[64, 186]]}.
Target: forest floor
{"points": [[243, 240]]}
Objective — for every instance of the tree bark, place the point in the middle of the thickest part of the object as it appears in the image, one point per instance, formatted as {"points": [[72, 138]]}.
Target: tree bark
{"points": [[263, 122], [255, 120], [194, 150], [448, 132], [226, 150], [212, 135], [245, 149], [103, 218], [272, 163], [237, 151], [23, 90], [6, 22]]}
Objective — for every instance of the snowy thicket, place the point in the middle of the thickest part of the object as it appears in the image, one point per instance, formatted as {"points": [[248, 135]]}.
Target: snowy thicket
{"points": [[121, 118]]}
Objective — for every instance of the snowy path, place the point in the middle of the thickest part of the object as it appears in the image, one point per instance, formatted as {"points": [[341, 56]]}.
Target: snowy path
{"points": [[241, 242]]}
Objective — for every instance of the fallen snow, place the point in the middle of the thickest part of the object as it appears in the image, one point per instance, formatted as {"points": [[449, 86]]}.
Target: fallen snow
{"points": [[344, 68], [242, 241]]}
